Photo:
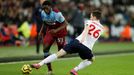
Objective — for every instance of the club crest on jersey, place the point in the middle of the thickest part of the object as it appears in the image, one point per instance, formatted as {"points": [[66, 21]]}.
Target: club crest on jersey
{"points": [[50, 22]]}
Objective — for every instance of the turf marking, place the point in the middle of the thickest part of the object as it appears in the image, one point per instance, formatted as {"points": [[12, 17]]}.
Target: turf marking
{"points": [[71, 58]]}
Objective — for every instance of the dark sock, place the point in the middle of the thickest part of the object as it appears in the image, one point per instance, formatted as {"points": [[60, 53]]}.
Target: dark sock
{"points": [[49, 67]]}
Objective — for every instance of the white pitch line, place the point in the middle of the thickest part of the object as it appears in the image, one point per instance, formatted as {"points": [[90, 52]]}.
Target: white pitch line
{"points": [[38, 60], [71, 58]]}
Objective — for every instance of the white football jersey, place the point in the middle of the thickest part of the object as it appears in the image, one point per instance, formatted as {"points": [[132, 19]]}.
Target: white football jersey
{"points": [[91, 32]]}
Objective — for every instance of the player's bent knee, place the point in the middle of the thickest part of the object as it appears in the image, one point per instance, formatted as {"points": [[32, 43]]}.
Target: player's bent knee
{"points": [[92, 59], [61, 53]]}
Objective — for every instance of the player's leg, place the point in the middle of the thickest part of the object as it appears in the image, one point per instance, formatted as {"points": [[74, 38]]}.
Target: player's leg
{"points": [[37, 44], [60, 42], [50, 58], [48, 41], [53, 57], [67, 49], [87, 56], [82, 65], [46, 54]]}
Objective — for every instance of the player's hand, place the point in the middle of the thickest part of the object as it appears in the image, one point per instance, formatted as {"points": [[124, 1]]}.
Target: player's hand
{"points": [[53, 31], [39, 35]]}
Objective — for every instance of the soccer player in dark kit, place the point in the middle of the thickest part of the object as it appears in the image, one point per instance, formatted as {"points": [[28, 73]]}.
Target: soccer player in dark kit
{"points": [[55, 28]]}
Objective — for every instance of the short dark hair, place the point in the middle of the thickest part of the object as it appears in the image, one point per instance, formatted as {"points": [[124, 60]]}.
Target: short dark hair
{"points": [[46, 3], [97, 14]]}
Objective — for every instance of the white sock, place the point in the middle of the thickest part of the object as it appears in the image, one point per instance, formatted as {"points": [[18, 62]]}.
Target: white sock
{"points": [[82, 65], [48, 59]]}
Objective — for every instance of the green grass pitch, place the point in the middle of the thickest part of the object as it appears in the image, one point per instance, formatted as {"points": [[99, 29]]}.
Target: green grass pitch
{"points": [[121, 64], [98, 48]]}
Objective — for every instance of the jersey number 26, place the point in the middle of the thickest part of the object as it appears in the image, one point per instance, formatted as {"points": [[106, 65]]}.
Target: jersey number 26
{"points": [[93, 31]]}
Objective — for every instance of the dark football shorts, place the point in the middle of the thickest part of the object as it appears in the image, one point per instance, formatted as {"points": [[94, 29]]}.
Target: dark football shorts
{"points": [[76, 47], [49, 39]]}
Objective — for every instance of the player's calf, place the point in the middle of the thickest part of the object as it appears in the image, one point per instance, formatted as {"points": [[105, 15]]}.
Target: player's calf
{"points": [[92, 59]]}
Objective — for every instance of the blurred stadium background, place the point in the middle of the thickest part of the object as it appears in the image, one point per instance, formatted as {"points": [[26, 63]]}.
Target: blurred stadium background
{"points": [[18, 28]]}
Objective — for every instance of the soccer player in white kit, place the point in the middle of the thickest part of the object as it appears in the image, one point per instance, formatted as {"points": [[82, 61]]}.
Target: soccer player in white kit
{"points": [[82, 44]]}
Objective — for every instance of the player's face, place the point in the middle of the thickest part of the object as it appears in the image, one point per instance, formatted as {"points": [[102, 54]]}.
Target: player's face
{"points": [[47, 9]]}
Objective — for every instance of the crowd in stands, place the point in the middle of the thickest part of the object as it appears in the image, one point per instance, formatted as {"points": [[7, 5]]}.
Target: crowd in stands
{"points": [[17, 22]]}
